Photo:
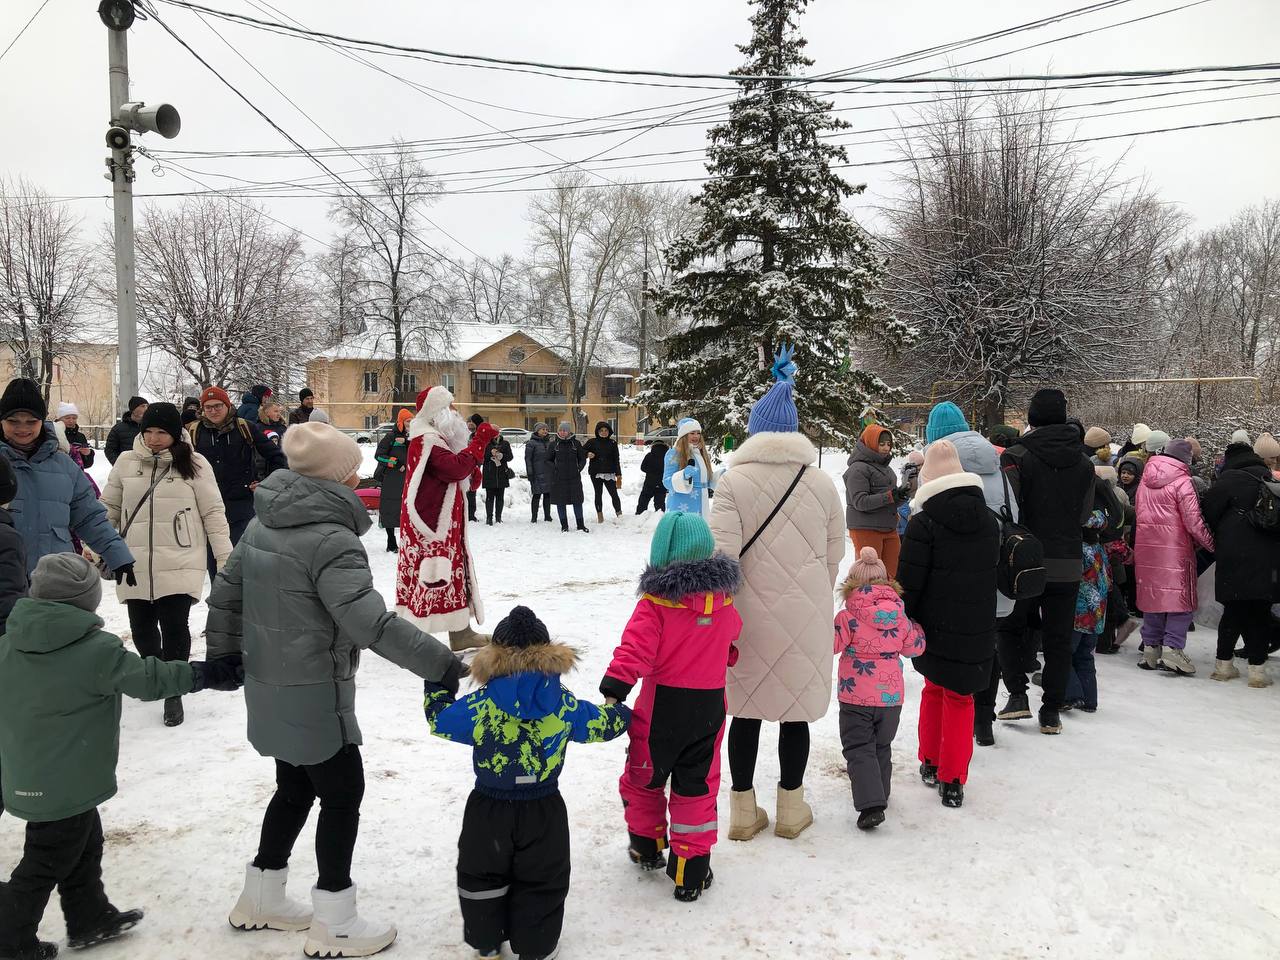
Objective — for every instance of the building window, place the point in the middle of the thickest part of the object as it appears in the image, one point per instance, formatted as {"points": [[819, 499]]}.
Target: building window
{"points": [[449, 382], [490, 383], [371, 381], [409, 383], [371, 421], [543, 385], [615, 388]]}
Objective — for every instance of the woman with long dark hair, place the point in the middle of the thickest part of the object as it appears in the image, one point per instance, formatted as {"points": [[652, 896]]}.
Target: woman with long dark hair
{"points": [[163, 498]]}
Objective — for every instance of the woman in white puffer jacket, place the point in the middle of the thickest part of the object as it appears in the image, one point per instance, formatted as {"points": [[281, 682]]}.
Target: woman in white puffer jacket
{"points": [[163, 498]]}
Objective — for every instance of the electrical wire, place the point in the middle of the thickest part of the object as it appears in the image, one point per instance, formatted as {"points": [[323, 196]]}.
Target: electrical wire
{"points": [[19, 34]]}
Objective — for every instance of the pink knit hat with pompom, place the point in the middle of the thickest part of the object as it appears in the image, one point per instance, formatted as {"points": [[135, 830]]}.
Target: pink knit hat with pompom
{"points": [[867, 567]]}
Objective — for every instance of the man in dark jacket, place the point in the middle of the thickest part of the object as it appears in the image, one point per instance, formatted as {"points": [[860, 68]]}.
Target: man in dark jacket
{"points": [[306, 403], [126, 430], [604, 468], [229, 443], [653, 489], [1054, 484]]}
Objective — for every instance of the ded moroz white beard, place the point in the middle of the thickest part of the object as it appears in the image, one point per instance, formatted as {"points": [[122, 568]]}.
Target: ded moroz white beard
{"points": [[453, 429]]}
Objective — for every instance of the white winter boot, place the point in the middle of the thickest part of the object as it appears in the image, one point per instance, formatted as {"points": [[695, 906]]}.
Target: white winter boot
{"points": [[264, 905], [1258, 676], [1224, 670], [745, 818], [467, 639], [1176, 660], [337, 931], [794, 815], [1150, 658]]}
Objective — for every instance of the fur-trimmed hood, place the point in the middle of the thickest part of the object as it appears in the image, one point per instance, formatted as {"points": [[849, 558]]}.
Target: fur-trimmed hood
{"points": [[848, 588], [495, 660], [952, 481], [772, 447], [675, 581]]}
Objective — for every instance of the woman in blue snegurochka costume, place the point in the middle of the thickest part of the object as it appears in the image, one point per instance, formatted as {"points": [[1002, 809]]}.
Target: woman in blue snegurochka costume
{"points": [[687, 471]]}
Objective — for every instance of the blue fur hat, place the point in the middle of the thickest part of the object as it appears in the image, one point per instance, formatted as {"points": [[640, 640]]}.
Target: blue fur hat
{"points": [[775, 412], [944, 420]]}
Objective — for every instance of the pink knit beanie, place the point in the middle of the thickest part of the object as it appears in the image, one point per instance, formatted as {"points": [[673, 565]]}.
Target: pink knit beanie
{"points": [[867, 567], [322, 452], [940, 459]]}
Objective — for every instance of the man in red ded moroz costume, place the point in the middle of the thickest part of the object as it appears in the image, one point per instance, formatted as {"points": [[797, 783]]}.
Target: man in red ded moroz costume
{"points": [[436, 586]]}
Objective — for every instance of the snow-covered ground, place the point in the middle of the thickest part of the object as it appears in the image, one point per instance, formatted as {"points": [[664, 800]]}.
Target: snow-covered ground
{"points": [[1144, 830]]}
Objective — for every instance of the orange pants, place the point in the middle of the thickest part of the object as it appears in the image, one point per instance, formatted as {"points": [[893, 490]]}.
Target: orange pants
{"points": [[884, 542]]}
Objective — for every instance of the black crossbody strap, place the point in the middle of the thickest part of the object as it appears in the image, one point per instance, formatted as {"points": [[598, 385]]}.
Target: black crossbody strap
{"points": [[769, 519], [137, 507]]}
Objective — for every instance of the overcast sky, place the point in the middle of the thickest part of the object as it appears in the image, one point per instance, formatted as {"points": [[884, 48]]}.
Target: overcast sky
{"points": [[56, 107]]}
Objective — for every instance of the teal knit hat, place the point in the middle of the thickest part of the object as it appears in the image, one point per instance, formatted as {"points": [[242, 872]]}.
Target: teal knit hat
{"points": [[680, 536], [944, 420]]}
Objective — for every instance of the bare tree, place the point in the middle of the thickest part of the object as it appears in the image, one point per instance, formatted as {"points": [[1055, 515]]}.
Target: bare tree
{"points": [[581, 238], [223, 291], [44, 277], [1014, 257], [402, 292], [493, 291], [338, 289]]}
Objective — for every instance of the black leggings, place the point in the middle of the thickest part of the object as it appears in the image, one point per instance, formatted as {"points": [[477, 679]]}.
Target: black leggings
{"points": [[744, 745], [1250, 619], [160, 627], [602, 482], [339, 783], [545, 499]]}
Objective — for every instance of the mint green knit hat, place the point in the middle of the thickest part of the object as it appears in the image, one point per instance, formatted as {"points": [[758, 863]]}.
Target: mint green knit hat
{"points": [[680, 536]]}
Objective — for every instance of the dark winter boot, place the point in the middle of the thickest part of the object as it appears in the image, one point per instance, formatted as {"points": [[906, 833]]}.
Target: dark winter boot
{"points": [[691, 877], [646, 852], [870, 818], [583, 528], [952, 793], [983, 733], [173, 715], [113, 923], [929, 774], [1050, 721], [42, 950], [392, 546], [1017, 707]]}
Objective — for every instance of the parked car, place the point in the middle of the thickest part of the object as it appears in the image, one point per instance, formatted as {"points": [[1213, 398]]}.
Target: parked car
{"points": [[515, 434], [666, 434]]}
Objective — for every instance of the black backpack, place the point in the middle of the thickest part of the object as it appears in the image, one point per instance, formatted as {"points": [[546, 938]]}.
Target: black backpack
{"points": [[1020, 574], [1265, 513]]}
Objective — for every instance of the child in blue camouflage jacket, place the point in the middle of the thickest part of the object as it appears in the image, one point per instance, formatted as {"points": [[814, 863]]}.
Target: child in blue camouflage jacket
{"points": [[513, 854]]}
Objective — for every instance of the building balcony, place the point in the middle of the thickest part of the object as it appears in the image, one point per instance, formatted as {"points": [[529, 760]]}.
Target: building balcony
{"points": [[545, 399]]}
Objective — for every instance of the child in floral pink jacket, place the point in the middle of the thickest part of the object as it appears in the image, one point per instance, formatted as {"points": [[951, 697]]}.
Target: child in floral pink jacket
{"points": [[872, 634]]}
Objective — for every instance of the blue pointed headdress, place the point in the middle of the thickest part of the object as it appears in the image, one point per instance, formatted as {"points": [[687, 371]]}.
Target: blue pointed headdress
{"points": [[775, 412]]}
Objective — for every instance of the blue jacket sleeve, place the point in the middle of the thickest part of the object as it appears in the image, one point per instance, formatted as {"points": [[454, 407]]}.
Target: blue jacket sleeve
{"points": [[449, 719], [90, 523], [589, 723]]}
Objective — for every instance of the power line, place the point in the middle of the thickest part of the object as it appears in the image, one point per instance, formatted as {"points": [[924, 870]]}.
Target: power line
{"points": [[19, 34]]}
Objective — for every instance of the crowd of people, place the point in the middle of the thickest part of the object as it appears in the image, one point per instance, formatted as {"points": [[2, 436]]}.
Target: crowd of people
{"points": [[1011, 558]]}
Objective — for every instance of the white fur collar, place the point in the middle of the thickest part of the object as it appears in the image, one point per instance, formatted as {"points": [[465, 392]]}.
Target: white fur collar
{"points": [[772, 447], [951, 481]]}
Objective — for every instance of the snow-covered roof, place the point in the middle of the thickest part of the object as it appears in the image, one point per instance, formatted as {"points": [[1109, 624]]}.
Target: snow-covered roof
{"points": [[468, 339]]}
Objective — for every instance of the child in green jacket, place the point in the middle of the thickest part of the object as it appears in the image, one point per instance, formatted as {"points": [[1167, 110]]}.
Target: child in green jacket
{"points": [[61, 681], [513, 855]]}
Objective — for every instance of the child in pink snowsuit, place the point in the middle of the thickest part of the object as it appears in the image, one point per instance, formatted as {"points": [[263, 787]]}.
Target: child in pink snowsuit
{"points": [[873, 634], [679, 641]]}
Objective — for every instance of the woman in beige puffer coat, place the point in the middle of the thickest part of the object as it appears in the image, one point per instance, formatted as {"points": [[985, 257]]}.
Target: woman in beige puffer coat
{"points": [[783, 672], [168, 534]]}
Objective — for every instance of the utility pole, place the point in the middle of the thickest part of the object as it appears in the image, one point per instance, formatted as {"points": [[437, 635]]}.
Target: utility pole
{"points": [[118, 16], [644, 305]]}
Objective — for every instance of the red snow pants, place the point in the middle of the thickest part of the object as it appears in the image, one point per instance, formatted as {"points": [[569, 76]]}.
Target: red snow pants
{"points": [[675, 734], [946, 731]]}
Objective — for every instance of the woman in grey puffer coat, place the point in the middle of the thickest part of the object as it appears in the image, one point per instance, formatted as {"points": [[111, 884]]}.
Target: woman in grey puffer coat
{"points": [[537, 467], [296, 598], [872, 495]]}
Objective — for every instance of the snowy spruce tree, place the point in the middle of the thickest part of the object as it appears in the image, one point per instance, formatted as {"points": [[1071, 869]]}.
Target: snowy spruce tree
{"points": [[775, 259]]}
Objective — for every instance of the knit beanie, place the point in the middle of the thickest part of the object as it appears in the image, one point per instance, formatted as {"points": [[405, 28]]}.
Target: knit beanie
{"points": [[215, 393], [1106, 472], [1048, 406], [8, 482], [540, 426], [1156, 441], [915, 458], [686, 426], [319, 451], [1266, 446], [23, 396], [775, 412], [304, 393], [1140, 434], [1242, 436], [867, 567], [433, 402], [1003, 435], [565, 425], [520, 628], [940, 460], [189, 416], [680, 536], [166, 417], [871, 435], [319, 416], [192, 402], [68, 410], [261, 391], [1178, 450], [136, 402], [944, 420], [67, 578], [1095, 438]]}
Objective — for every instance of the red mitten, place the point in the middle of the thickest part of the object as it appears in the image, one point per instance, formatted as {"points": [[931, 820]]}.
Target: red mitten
{"points": [[733, 655], [486, 432]]}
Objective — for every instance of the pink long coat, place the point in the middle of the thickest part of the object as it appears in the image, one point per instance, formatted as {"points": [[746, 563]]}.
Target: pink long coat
{"points": [[1169, 527]]}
